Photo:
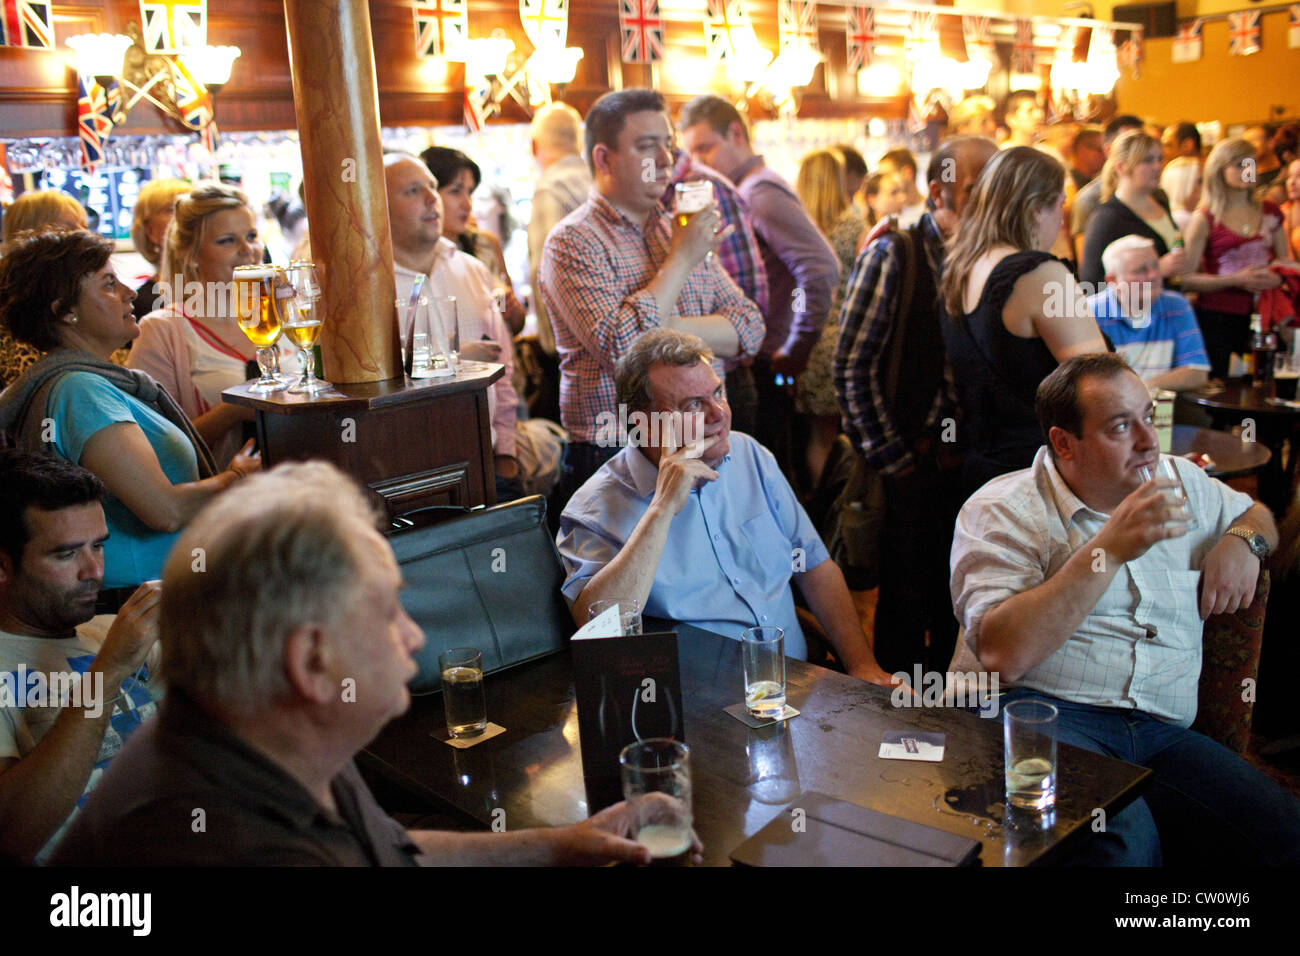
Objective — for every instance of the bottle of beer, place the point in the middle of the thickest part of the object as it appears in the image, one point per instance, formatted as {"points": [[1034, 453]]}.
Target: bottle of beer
{"points": [[1263, 350]]}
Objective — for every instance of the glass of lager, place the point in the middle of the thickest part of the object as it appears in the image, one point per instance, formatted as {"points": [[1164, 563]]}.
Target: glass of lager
{"points": [[693, 197], [303, 327], [462, 691], [657, 786], [263, 298], [1029, 738]]}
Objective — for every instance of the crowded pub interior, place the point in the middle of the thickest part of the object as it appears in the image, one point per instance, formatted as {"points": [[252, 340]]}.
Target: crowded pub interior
{"points": [[736, 433]]}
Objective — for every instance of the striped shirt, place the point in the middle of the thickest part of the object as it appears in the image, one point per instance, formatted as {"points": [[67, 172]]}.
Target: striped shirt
{"points": [[1170, 339], [596, 266], [1140, 648]]}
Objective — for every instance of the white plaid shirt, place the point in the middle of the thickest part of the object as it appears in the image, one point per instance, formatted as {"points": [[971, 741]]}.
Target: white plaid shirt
{"points": [[1140, 648]]}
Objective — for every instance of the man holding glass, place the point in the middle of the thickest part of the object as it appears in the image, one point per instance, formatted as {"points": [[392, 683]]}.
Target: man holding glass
{"points": [[286, 650], [617, 266], [1077, 582]]}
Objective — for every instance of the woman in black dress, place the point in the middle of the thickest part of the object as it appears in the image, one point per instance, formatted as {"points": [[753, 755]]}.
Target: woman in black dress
{"points": [[1015, 311]]}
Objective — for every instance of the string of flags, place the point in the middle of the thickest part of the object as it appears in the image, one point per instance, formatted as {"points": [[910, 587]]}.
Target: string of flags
{"points": [[27, 23]]}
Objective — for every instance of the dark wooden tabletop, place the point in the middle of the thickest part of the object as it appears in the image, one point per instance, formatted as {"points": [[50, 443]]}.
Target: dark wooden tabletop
{"points": [[359, 396], [742, 777], [1237, 395], [1232, 456]]}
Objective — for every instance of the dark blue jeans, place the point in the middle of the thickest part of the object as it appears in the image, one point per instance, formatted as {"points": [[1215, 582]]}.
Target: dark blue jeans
{"points": [[1204, 805]]}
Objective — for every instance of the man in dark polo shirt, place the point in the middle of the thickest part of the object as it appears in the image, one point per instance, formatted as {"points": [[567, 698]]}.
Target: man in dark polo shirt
{"points": [[285, 650]]}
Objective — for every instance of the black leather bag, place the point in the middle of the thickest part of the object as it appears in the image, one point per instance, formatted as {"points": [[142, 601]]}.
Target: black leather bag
{"points": [[489, 579]]}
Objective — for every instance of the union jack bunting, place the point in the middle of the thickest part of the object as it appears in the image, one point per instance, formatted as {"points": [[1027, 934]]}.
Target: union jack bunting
{"points": [[93, 124], [725, 22], [1243, 33], [1189, 43], [441, 28], [1293, 26], [920, 30], [1130, 53], [28, 23], [643, 31], [860, 35], [979, 41], [1022, 51], [192, 98], [796, 22], [172, 25], [545, 21]]}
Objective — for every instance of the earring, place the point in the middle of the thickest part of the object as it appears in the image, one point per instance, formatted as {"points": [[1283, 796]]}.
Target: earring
{"points": [[72, 318]]}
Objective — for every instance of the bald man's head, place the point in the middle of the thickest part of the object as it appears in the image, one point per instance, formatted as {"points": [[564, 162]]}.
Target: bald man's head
{"points": [[557, 131]]}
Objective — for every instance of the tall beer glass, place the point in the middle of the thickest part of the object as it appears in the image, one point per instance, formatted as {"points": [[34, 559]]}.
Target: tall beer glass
{"points": [[304, 325], [693, 197], [261, 293]]}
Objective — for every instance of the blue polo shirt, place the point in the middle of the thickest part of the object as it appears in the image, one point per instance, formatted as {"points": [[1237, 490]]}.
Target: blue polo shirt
{"points": [[730, 553], [1171, 340]]}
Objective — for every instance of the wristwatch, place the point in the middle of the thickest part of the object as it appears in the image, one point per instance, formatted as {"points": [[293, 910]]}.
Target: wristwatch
{"points": [[1257, 542]]}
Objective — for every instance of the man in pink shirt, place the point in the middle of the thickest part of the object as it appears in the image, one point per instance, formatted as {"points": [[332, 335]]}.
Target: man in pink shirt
{"points": [[415, 218]]}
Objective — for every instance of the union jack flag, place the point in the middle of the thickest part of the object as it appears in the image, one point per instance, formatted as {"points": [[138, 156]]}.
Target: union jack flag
{"points": [[643, 31], [860, 34], [1189, 43], [725, 21], [1293, 26], [796, 22], [545, 21], [441, 27], [93, 123], [1243, 33], [173, 25], [1022, 51], [28, 23], [979, 42], [920, 30], [1130, 53]]}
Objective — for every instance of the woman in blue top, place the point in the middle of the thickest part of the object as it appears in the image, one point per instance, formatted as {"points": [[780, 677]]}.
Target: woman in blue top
{"points": [[58, 293]]}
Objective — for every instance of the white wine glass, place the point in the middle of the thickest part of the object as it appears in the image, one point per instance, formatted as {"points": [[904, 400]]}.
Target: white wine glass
{"points": [[304, 326]]}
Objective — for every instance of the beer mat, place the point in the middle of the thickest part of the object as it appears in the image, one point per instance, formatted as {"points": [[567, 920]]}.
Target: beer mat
{"points": [[1284, 402], [910, 745], [817, 830], [464, 743], [742, 714]]}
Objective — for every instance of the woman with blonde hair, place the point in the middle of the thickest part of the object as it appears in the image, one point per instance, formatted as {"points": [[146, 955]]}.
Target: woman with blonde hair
{"points": [[193, 346], [153, 214], [1232, 238], [41, 208], [1181, 181], [1130, 207], [1014, 310], [821, 188]]}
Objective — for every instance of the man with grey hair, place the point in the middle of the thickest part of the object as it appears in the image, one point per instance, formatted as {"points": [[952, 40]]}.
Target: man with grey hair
{"points": [[1153, 329], [696, 522], [285, 650], [562, 187]]}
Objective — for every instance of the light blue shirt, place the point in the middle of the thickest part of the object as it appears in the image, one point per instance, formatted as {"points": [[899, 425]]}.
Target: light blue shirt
{"points": [[730, 553], [83, 403], [1168, 339]]}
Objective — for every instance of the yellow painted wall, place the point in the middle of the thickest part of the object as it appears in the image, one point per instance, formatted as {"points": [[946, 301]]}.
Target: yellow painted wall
{"points": [[1231, 89]]}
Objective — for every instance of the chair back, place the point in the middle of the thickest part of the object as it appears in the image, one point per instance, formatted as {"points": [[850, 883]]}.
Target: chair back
{"points": [[489, 579], [1230, 646]]}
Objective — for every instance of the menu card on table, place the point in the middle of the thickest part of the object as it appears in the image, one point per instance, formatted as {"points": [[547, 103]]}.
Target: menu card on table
{"points": [[628, 688]]}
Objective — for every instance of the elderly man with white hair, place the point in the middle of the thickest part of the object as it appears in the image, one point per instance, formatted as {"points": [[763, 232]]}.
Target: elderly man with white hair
{"points": [[1153, 329]]}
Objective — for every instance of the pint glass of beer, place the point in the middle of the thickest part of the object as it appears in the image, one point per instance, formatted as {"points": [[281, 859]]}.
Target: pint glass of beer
{"points": [[693, 198], [263, 298], [657, 785]]}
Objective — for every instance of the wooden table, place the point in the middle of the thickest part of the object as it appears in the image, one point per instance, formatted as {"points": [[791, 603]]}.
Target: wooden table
{"points": [[742, 777], [1233, 458], [1237, 402]]}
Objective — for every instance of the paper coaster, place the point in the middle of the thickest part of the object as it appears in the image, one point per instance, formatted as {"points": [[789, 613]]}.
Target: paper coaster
{"points": [[742, 714], [463, 743]]}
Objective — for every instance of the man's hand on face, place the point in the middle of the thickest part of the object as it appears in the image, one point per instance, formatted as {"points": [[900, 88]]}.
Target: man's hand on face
{"points": [[1144, 518], [699, 236], [1229, 578], [679, 470], [133, 634]]}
